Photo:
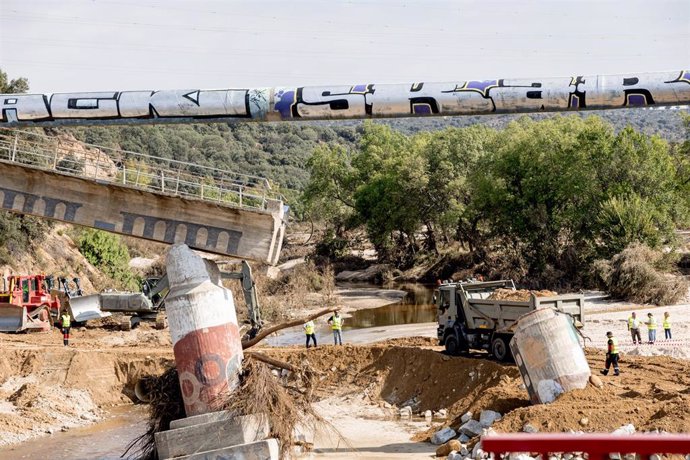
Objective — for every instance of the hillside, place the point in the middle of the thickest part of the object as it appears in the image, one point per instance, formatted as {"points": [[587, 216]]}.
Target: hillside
{"points": [[279, 151]]}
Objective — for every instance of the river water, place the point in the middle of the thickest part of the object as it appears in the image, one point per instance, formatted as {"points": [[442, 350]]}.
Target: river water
{"points": [[416, 307], [106, 440]]}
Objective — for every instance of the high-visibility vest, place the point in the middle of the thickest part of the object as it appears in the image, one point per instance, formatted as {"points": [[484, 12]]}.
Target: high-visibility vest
{"points": [[336, 323], [667, 322], [66, 321], [651, 323], [309, 327], [613, 346], [633, 323]]}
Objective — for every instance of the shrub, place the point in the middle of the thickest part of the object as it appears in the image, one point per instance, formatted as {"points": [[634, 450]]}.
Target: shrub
{"points": [[636, 275], [109, 254]]}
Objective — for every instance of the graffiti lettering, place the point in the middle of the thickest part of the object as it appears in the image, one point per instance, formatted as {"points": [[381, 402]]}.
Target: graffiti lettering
{"points": [[471, 97]]}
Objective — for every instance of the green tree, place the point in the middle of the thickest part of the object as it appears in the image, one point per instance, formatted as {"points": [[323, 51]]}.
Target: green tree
{"points": [[16, 85], [109, 254]]}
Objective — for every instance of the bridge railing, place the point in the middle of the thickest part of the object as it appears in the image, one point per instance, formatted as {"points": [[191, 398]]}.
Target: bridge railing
{"points": [[66, 155]]}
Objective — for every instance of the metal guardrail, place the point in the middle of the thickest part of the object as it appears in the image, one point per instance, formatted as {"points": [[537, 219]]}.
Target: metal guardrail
{"points": [[65, 155]]}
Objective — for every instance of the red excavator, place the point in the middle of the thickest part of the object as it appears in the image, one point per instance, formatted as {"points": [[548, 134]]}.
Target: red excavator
{"points": [[27, 303]]}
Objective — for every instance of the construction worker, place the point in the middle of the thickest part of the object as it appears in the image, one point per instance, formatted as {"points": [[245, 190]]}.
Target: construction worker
{"points": [[667, 326], [309, 331], [634, 328], [336, 322], [651, 328], [66, 324], [611, 355]]}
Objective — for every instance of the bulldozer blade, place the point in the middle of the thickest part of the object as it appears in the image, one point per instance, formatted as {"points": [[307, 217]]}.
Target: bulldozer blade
{"points": [[12, 318], [85, 308], [126, 302]]}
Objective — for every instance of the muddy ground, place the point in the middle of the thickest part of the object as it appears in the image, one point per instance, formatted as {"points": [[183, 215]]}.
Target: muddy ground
{"points": [[47, 388]]}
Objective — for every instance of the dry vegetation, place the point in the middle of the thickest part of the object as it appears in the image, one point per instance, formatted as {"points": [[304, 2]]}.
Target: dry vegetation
{"points": [[640, 274]]}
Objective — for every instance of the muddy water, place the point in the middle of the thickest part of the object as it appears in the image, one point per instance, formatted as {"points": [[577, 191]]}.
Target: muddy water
{"points": [[416, 307], [105, 440]]}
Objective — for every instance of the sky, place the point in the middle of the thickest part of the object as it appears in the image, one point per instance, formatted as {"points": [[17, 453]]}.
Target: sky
{"points": [[94, 45]]}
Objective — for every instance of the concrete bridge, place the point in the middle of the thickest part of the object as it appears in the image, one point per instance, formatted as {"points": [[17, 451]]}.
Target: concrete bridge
{"points": [[132, 194]]}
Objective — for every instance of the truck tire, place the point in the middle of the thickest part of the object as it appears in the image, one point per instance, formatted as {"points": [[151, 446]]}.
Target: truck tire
{"points": [[452, 345], [500, 349]]}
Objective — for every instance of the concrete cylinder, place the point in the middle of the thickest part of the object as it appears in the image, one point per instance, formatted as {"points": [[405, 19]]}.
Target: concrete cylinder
{"points": [[549, 355], [205, 334]]}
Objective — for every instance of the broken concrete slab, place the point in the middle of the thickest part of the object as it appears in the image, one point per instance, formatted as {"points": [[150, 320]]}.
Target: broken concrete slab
{"points": [[443, 436], [210, 436], [200, 419], [488, 417], [268, 449], [471, 428]]}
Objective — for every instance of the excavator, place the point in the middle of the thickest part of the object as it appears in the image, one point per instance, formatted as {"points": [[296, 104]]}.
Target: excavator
{"points": [[149, 304]]}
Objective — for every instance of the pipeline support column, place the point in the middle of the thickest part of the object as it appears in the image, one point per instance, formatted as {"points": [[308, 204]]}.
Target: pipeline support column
{"points": [[205, 334]]}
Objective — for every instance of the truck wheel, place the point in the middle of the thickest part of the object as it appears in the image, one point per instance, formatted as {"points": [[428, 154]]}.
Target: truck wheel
{"points": [[452, 345], [500, 350]]}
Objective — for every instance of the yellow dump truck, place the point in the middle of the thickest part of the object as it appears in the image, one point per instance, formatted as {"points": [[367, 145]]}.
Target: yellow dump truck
{"points": [[469, 319]]}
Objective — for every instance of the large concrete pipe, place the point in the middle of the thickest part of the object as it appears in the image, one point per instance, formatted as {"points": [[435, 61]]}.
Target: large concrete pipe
{"points": [[203, 325], [368, 100]]}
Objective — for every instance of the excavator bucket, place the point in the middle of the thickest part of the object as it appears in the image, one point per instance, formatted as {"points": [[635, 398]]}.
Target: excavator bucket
{"points": [[12, 318], [85, 308]]}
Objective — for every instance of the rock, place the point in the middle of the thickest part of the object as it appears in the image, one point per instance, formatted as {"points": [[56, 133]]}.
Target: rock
{"points": [[522, 386], [441, 414], [477, 451], [625, 429], [443, 436], [455, 456], [463, 438], [447, 448], [467, 416], [520, 456], [488, 417], [387, 405], [529, 428], [488, 432], [596, 381], [406, 412], [427, 414], [584, 421], [567, 456], [50, 431], [471, 428], [64, 428], [655, 457]]}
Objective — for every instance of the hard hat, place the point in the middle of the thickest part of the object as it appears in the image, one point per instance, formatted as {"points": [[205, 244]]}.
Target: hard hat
{"points": [[609, 334]]}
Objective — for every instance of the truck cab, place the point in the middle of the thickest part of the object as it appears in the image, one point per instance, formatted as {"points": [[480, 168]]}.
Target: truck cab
{"points": [[469, 319]]}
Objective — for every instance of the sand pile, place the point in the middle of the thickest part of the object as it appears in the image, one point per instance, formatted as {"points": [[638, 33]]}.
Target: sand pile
{"points": [[651, 393], [522, 295]]}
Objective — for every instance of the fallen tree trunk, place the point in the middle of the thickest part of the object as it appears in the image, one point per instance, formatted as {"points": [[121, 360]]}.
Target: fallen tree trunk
{"points": [[266, 332], [272, 361]]}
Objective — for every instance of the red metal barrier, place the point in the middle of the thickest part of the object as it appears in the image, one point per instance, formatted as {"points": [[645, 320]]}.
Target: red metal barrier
{"points": [[597, 446]]}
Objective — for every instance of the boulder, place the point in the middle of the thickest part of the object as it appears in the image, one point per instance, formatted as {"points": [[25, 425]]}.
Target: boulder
{"points": [[625, 429], [471, 428], [455, 456], [488, 417], [441, 414], [427, 414], [463, 438], [467, 416], [529, 428], [443, 436], [447, 448]]}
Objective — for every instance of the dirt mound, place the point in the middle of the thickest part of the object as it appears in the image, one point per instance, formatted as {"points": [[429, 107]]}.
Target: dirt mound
{"points": [[522, 295], [651, 393]]}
